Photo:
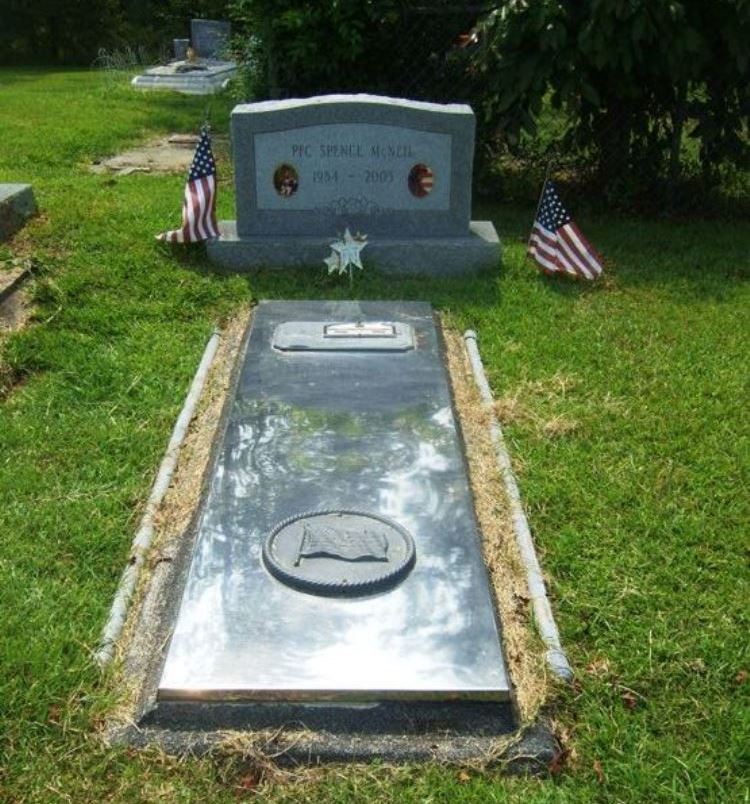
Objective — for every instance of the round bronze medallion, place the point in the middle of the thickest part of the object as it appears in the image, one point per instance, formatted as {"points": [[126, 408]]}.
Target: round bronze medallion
{"points": [[339, 553]]}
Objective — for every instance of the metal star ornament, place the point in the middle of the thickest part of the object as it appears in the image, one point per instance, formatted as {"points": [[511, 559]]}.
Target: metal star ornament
{"points": [[334, 263], [345, 254]]}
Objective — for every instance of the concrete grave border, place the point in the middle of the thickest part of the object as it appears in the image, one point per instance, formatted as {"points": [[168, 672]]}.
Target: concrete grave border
{"points": [[528, 750]]}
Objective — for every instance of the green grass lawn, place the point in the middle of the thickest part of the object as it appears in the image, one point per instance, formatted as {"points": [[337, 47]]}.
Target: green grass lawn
{"points": [[626, 411]]}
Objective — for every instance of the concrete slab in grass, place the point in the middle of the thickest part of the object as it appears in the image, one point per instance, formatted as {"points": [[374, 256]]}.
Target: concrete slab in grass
{"points": [[14, 310], [17, 205], [204, 77]]}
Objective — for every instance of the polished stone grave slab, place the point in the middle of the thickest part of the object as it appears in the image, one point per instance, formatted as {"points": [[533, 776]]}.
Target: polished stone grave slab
{"points": [[337, 557]]}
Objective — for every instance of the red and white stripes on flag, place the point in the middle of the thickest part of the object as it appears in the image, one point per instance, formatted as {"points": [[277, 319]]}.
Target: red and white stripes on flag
{"points": [[556, 243], [199, 204]]}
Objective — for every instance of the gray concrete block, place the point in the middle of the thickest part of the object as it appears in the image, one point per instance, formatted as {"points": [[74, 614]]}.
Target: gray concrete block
{"points": [[17, 204], [432, 256]]}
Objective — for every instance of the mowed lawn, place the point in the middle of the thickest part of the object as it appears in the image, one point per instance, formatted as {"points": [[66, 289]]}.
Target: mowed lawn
{"points": [[625, 405]]}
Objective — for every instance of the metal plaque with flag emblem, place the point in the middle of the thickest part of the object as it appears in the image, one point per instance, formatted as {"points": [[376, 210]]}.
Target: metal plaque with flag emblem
{"points": [[556, 243], [199, 204], [339, 553]]}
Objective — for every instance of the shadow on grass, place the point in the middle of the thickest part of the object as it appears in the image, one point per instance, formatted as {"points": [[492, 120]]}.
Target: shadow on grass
{"points": [[165, 109], [172, 106], [570, 287], [10, 76], [312, 282], [690, 260]]}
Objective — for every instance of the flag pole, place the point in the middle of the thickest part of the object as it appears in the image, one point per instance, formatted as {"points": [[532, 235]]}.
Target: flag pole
{"points": [[206, 126], [539, 204]]}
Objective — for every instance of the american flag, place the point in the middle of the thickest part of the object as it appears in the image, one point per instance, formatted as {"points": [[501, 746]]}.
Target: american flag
{"points": [[556, 243], [199, 206]]}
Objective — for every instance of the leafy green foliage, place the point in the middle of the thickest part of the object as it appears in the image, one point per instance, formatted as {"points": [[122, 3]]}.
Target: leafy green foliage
{"points": [[72, 32], [384, 46], [636, 79]]}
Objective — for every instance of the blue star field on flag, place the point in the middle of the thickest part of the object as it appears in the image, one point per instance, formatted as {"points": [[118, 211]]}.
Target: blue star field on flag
{"points": [[203, 161], [552, 214]]}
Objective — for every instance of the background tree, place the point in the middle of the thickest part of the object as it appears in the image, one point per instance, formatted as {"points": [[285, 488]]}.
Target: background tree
{"points": [[644, 83], [72, 32], [383, 46]]}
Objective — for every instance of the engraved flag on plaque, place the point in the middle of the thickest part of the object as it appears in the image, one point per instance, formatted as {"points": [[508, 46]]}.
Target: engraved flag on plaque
{"points": [[327, 541]]}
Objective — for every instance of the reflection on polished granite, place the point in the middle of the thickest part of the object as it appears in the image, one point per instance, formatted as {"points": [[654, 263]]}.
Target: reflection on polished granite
{"points": [[310, 431]]}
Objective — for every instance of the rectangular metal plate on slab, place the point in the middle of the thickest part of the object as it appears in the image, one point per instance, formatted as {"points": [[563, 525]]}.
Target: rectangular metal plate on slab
{"points": [[337, 556], [321, 336]]}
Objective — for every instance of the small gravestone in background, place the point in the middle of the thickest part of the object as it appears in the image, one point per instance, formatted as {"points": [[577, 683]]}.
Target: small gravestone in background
{"points": [[180, 48], [399, 171], [210, 38], [208, 71]]}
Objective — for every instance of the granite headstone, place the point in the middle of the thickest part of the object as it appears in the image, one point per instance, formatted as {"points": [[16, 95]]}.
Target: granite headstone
{"points": [[210, 38], [398, 170]]}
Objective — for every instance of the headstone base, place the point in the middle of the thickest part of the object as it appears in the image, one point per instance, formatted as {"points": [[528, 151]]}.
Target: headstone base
{"points": [[212, 78], [16, 205], [432, 256]]}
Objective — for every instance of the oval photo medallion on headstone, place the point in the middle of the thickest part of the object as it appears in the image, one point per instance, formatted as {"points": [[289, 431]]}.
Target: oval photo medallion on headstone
{"points": [[339, 553], [421, 180]]}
